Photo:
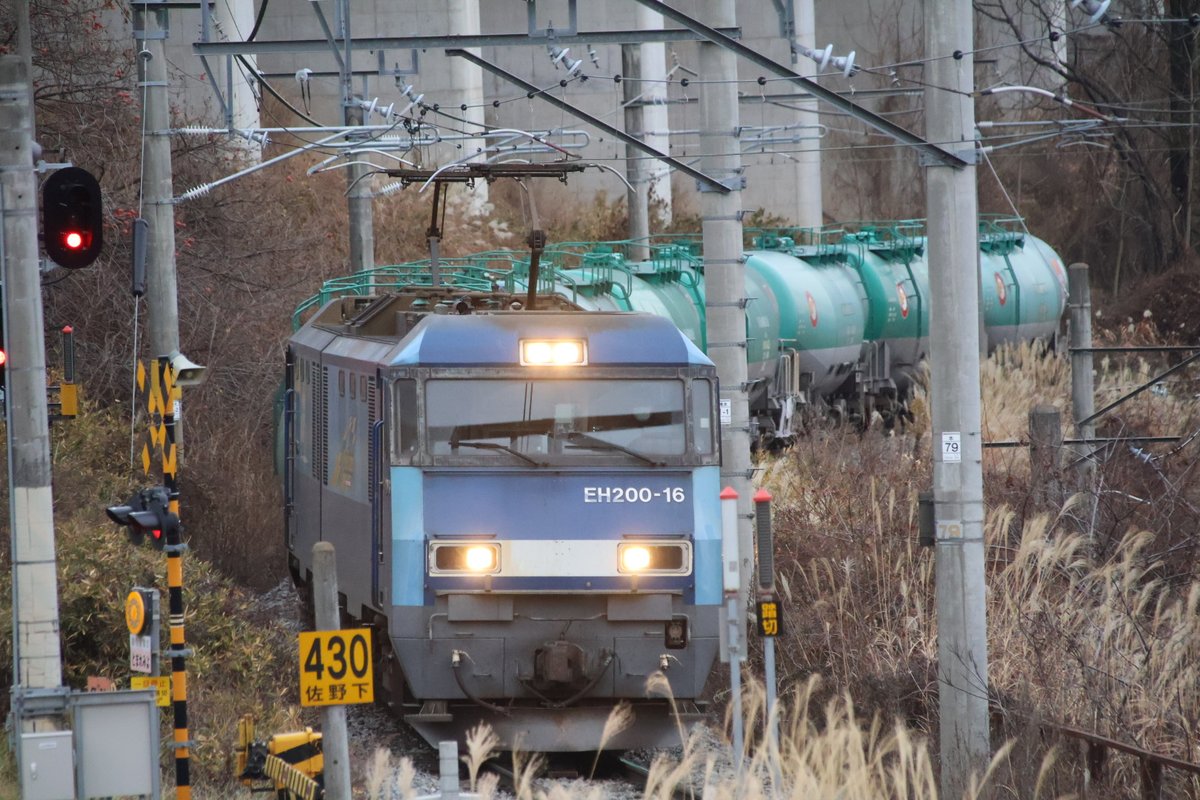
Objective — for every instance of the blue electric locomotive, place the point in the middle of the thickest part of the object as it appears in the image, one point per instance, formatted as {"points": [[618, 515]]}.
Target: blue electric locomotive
{"points": [[524, 506]]}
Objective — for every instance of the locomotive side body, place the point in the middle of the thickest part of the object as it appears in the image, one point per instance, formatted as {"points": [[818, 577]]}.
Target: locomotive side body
{"points": [[532, 540]]}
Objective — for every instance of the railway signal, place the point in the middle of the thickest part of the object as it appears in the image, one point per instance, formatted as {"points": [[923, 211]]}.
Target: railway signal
{"points": [[146, 514], [72, 218]]}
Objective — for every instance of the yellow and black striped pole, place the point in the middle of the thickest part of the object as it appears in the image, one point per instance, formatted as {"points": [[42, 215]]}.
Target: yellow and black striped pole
{"points": [[175, 548]]}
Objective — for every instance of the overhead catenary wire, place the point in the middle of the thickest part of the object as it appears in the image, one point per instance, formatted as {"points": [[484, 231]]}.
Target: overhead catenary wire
{"points": [[446, 111]]}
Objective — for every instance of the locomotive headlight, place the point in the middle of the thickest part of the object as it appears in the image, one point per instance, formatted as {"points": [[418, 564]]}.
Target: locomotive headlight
{"points": [[645, 558], [553, 352], [481, 558], [461, 558], [634, 558]]}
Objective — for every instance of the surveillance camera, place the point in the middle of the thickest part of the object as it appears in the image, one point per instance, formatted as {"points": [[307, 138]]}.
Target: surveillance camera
{"points": [[187, 372]]}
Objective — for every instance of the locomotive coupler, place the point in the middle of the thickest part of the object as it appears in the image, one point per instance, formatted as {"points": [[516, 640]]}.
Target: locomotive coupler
{"points": [[559, 665]]}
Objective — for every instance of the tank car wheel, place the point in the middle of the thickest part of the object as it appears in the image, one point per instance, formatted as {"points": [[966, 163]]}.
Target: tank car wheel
{"points": [[838, 412], [866, 410]]}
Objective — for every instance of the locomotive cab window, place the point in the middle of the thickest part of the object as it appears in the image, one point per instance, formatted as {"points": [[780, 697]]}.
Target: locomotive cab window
{"points": [[703, 429], [557, 421], [405, 422]]}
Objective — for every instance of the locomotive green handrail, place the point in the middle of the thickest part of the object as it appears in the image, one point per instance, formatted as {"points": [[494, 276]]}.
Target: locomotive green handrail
{"points": [[486, 271]]}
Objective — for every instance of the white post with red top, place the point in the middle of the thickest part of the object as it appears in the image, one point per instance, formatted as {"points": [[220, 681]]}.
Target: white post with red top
{"points": [[731, 579]]}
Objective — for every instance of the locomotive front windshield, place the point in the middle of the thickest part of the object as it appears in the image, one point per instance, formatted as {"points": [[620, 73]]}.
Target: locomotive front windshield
{"points": [[567, 421]]}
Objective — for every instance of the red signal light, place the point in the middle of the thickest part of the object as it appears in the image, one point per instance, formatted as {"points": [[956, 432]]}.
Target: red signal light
{"points": [[3, 358], [156, 534], [72, 218], [73, 240]]}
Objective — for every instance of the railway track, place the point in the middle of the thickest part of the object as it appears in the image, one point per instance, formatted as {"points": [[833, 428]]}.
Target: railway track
{"points": [[620, 769]]}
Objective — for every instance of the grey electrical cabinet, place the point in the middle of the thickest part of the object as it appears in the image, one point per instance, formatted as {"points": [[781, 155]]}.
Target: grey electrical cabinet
{"points": [[117, 742], [47, 766]]}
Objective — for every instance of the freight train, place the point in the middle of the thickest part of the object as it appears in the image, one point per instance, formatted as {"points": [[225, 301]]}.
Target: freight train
{"points": [[524, 506], [525, 502], [837, 319]]}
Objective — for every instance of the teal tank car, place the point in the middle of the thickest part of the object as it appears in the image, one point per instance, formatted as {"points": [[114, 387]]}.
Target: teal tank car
{"points": [[835, 318], [1024, 288]]}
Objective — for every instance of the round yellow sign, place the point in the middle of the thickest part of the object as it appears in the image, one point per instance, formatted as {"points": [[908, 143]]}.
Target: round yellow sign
{"points": [[135, 612]]}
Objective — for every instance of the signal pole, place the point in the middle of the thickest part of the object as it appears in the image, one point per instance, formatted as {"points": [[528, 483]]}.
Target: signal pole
{"points": [[724, 268], [37, 653], [954, 341]]}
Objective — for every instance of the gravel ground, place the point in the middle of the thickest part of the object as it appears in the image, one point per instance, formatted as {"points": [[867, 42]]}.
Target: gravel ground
{"points": [[372, 729]]}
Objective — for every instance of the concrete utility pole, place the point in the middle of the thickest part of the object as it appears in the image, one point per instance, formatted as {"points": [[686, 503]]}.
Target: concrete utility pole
{"points": [[1083, 390], [162, 294], [362, 212], [809, 212], [656, 122], [954, 341], [234, 19], [358, 185], [724, 269], [637, 198], [466, 86], [36, 651]]}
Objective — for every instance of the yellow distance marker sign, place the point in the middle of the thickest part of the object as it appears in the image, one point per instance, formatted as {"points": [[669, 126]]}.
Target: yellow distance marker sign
{"points": [[135, 613], [335, 667]]}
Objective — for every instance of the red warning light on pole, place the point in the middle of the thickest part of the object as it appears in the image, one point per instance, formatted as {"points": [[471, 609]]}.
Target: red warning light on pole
{"points": [[72, 218]]}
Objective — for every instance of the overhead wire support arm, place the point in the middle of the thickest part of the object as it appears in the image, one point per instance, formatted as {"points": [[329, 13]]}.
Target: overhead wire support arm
{"points": [[462, 173], [705, 179], [330, 40], [377, 43], [938, 154]]}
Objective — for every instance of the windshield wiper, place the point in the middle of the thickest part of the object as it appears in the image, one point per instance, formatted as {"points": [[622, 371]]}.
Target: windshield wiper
{"points": [[596, 443], [497, 446]]}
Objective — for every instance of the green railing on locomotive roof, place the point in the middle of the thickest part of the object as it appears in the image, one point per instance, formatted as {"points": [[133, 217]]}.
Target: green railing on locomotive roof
{"points": [[487, 271], [478, 272]]}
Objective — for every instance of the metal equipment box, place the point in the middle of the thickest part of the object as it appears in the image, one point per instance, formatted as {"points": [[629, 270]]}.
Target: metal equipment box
{"points": [[118, 743], [47, 766]]}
